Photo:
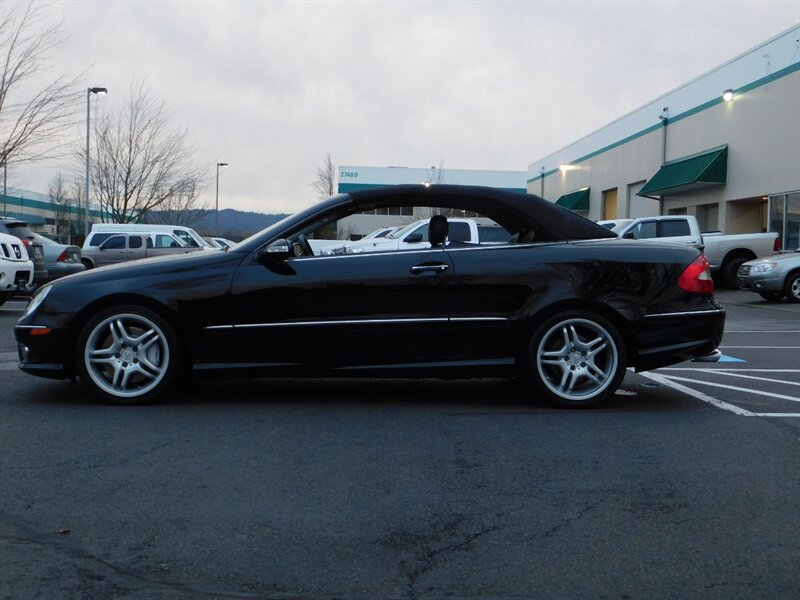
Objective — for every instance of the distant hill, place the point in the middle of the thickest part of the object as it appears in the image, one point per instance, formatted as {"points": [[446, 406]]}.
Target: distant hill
{"points": [[234, 224]]}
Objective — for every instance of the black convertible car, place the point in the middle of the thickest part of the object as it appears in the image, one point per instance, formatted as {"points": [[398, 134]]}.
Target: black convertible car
{"points": [[562, 302]]}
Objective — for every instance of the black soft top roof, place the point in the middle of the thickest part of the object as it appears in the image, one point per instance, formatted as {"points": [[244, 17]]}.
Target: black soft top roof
{"points": [[516, 211]]}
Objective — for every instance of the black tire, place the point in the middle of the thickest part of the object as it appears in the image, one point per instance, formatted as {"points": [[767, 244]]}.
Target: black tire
{"points": [[576, 359], [729, 269], [87, 263], [771, 296], [127, 355], [4, 297], [791, 289]]}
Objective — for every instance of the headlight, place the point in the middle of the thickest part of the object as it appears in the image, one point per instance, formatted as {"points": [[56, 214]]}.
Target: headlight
{"points": [[764, 267], [355, 251], [37, 300]]}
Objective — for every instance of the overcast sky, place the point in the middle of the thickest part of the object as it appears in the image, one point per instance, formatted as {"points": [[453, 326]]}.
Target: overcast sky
{"points": [[272, 87]]}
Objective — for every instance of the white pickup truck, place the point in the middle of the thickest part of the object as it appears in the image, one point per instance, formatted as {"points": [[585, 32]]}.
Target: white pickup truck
{"points": [[415, 235], [725, 253]]}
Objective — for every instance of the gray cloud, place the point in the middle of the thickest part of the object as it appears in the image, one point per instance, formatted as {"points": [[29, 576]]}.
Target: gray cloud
{"points": [[272, 87]]}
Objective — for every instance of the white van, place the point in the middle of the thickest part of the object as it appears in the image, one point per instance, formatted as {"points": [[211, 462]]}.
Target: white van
{"points": [[185, 234]]}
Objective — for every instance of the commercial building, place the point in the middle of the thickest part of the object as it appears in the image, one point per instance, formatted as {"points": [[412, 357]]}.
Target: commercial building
{"points": [[724, 147]]}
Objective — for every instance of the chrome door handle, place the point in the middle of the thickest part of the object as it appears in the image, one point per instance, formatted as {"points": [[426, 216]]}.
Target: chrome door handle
{"points": [[438, 268]]}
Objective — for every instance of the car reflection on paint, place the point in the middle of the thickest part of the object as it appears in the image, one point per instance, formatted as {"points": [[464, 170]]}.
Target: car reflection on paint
{"points": [[562, 302]]}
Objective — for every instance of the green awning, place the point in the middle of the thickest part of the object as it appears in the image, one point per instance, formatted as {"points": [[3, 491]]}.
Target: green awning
{"points": [[689, 173], [575, 200]]}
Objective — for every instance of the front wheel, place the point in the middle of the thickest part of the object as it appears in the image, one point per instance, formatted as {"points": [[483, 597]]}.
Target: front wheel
{"points": [[792, 287], [576, 359], [127, 355]]}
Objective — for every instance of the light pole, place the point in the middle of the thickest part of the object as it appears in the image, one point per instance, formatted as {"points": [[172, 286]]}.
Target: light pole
{"points": [[89, 91], [216, 210]]}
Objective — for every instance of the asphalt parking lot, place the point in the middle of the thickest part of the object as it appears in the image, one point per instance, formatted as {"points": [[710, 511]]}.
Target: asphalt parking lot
{"points": [[686, 485]]}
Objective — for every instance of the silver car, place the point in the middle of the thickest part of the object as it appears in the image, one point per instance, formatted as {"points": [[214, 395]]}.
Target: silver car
{"points": [[773, 277], [61, 259]]}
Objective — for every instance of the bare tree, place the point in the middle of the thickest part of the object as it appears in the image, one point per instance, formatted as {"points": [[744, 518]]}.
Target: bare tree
{"points": [[181, 209], [59, 195], [139, 161], [326, 175], [33, 119]]}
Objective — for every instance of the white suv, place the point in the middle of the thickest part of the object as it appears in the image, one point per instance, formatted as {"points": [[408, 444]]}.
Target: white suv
{"points": [[16, 269]]}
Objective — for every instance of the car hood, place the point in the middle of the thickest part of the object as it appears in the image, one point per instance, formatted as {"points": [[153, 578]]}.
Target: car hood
{"points": [[777, 258], [148, 267]]}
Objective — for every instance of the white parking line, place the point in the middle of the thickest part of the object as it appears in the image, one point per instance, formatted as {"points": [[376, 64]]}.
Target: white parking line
{"points": [[769, 347], [663, 380], [728, 373], [777, 414], [733, 387], [736, 369], [764, 331]]}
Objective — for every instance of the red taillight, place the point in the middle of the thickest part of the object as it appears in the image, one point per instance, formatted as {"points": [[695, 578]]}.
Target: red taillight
{"points": [[776, 247], [63, 257], [27, 243], [696, 278]]}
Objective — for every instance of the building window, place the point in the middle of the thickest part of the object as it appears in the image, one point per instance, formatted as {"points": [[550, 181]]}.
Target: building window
{"points": [[784, 219]]}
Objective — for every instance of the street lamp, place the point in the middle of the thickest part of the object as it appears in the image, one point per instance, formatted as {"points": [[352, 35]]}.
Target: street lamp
{"points": [[89, 91], [216, 211]]}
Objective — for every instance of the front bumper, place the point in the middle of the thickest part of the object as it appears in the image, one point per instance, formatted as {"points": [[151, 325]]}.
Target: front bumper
{"points": [[767, 282]]}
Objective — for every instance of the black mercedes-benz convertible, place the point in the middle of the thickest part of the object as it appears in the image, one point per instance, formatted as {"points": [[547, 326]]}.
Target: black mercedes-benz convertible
{"points": [[561, 302]]}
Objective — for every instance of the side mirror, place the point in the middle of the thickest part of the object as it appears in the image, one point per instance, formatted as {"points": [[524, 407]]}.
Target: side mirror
{"points": [[413, 238], [277, 252], [628, 235]]}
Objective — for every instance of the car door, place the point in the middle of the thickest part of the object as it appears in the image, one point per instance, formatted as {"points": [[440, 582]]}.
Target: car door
{"points": [[137, 247], [359, 309], [113, 250], [493, 286]]}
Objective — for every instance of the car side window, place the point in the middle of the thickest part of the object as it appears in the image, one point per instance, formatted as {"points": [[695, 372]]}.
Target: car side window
{"points": [[135, 241], [115, 242], [458, 232], [674, 228], [645, 230], [190, 241], [98, 238], [163, 241], [422, 231]]}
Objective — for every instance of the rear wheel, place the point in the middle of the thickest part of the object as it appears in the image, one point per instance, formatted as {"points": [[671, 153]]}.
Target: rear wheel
{"points": [[792, 287], [127, 355], [576, 359], [729, 269], [87, 263]]}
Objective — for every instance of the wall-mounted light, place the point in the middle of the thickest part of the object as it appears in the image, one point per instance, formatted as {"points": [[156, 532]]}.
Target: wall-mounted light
{"points": [[727, 95]]}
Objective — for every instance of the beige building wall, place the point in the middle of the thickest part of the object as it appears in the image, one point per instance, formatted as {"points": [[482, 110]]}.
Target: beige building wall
{"points": [[760, 126], [762, 130]]}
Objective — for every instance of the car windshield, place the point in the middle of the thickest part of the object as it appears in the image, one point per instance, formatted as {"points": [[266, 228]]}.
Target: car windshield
{"points": [[45, 241]]}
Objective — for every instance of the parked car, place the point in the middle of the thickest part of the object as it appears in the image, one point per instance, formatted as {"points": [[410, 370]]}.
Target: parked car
{"points": [[415, 235], [187, 235], [220, 243], [772, 278], [570, 311], [123, 247], [381, 232], [20, 230], [16, 269], [60, 259], [224, 242], [725, 253]]}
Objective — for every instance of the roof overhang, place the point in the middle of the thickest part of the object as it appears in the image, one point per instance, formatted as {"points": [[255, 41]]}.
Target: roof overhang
{"points": [[578, 200], [698, 171]]}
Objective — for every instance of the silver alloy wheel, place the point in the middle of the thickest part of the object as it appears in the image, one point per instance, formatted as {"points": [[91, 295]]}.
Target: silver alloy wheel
{"points": [[577, 359], [126, 355], [794, 288]]}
